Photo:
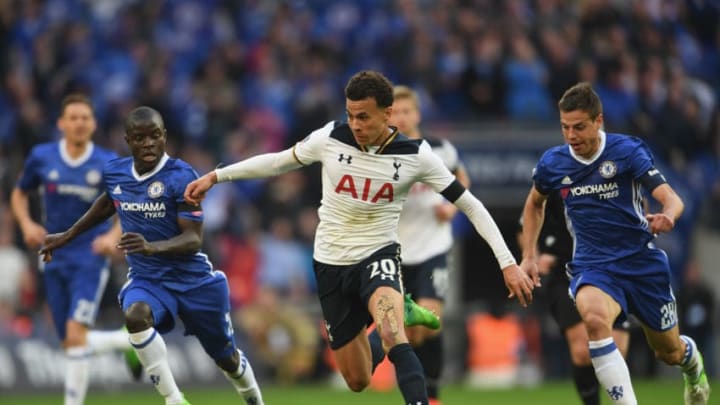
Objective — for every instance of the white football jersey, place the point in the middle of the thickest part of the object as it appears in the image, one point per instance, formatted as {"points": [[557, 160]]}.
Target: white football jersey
{"points": [[422, 235], [364, 189]]}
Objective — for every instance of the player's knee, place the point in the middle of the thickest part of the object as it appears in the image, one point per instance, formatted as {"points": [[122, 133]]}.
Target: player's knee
{"points": [[597, 325], [138, 317], [357, 381], [229, 364]]}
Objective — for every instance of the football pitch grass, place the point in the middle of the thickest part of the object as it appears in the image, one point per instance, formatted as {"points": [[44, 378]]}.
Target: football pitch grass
{"points": [[655, 392]]}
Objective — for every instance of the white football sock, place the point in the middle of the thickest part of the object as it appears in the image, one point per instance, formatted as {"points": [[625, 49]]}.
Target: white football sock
{"points": [[105, 341], [690, 364], [243, 379], [612, 371], [76, 374], [151, 350]]}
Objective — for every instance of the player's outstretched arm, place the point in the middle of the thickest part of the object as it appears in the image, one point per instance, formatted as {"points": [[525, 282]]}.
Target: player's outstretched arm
{"points": [[265, 165], [517, 282], [100, 211]]}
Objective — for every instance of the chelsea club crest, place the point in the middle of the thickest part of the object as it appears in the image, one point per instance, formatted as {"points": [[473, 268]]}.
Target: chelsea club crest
{"points": [[608, 169], [156, 189]]}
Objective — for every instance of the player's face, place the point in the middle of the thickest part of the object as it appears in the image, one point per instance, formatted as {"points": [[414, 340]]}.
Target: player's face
{"points": [[77, 123], [147, 144], [406, 116], [581, 132], [368, 122]]}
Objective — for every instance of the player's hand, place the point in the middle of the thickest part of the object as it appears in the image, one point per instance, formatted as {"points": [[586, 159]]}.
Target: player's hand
{"points": [[131, 242], [519, 284], [445, 212], [658, 223], [52, 242], [33, 234], [105, 244], [195, 191], [532, 269], [545, 263]]}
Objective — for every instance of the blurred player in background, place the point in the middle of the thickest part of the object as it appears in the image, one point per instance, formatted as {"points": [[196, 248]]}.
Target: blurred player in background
{"points": [[368, 169], [555, 246], [616, 268], [425, 233], [68, 173], [169, 275]]}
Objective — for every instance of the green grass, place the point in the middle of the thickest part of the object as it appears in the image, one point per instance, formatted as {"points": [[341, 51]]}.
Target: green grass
{"points": [[656, 392]]}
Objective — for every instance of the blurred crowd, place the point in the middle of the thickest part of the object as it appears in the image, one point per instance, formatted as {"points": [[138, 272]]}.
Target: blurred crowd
{"points": [[234, 78]]}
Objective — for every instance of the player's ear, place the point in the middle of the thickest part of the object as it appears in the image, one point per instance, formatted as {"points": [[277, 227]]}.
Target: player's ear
{"points": [[599, 121]]}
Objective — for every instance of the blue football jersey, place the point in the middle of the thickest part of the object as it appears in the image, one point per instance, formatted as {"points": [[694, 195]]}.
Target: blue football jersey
{"points": [[602, 196], [68, 187], [148, 204]]}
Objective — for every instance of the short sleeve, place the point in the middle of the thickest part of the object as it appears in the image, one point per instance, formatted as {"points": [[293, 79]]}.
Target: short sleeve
{"points": [[184, 177], [435, 173], [309, 150], [640, 161], [541, 178]]}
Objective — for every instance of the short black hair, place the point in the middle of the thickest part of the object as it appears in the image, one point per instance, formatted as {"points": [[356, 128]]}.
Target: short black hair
{"points": [[75, 98], [370, 84], [143, 114], [581, 97]]}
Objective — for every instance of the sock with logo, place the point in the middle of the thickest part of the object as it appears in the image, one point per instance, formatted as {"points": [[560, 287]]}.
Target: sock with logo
{"points": [[378, 353], [76, 374], [409, 374], [151, 350], [243, 379], [586, 384], [612, 371], [430, 354], [690, 365]]}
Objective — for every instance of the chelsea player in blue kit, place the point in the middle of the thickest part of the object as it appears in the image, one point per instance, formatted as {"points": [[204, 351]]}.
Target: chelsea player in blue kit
{"points": [[69, 174], [168, 275], [616, 268]]}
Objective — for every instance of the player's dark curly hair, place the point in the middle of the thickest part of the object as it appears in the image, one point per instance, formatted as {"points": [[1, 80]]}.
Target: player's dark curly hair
{"points": [[581, 97], [370, 84]]}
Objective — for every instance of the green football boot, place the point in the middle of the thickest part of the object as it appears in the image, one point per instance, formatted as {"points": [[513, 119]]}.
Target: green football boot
{"points": [[697, 392], [415, 315]]}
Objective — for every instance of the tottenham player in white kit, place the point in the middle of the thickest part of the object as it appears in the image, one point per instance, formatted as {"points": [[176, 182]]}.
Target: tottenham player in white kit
{"points": [[425, 233], [616, 269], [368, 170]]}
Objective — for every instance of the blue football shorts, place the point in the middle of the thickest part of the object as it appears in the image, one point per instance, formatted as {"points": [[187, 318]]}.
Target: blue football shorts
{"points": [[204, 310], [647, 294]]}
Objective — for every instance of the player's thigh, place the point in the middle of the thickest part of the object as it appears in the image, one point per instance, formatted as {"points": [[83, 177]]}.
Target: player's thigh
{"points": [[205, 311], [599, 300], [344, 311]]}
